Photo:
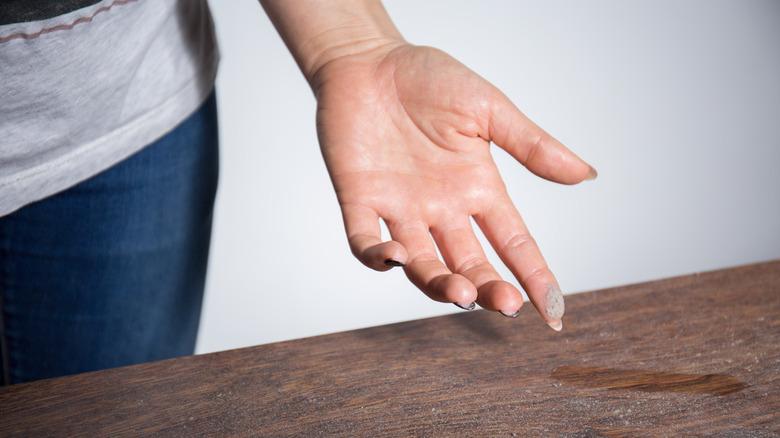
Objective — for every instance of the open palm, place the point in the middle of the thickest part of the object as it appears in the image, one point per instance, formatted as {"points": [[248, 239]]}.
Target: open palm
{"points": [[405, 132]]}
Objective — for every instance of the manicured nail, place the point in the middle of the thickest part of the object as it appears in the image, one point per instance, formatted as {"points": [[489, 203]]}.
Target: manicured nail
{"points": [[554, 306], [511, 315], [466, 307], [391, 262], [592, 174], [556, 325]]}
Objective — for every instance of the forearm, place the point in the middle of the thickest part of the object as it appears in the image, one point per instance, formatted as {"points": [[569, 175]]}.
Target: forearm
{"points": [[319, 31]]}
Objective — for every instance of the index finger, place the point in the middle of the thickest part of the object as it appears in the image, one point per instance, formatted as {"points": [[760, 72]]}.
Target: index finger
{"points": [[508, 234]]}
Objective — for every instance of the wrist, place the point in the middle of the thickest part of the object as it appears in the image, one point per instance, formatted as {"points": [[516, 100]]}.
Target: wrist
{"points": [[342, 43], [318, 32]]}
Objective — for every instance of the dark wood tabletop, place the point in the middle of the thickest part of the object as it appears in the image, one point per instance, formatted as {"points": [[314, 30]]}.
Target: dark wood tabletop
{"points": [[692, 355]]}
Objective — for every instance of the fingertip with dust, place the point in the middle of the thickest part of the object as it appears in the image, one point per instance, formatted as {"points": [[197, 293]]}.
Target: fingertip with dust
{"points": [[554, 307]]}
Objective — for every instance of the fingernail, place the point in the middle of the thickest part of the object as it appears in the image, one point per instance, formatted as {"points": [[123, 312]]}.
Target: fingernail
{"points": [[391, 262], [592, 174], [556, 325], [511, 315], [467, 307], [554, 306]]}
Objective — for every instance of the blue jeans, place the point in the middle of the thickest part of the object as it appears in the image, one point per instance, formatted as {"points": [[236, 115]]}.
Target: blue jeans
{"points": [[111, 271]]}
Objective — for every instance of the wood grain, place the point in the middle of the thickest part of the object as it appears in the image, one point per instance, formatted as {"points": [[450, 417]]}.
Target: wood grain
{"points": [[693, 355]]}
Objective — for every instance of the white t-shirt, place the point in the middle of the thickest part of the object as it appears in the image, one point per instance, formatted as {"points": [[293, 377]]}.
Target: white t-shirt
{"points": [[83, 90]]}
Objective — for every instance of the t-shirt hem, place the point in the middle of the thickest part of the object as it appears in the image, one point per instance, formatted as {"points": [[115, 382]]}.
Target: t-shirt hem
{"points": [[96, 156]]}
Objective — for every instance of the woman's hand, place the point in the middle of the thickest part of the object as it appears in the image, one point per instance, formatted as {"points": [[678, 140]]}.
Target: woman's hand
{"points": [[406, 132]]}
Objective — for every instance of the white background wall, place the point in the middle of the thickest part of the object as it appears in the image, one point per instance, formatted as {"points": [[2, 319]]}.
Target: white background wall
{"points": [[676, 103]]}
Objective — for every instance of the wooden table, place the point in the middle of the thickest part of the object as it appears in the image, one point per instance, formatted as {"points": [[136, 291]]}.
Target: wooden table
{"points": [[693, 355]]}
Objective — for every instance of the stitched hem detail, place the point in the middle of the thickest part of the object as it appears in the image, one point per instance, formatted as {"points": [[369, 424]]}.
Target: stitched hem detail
{"points": [[69, 26]]}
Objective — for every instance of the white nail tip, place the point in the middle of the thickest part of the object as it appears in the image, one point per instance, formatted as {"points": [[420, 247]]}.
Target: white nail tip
{"points": [[556, 325]]}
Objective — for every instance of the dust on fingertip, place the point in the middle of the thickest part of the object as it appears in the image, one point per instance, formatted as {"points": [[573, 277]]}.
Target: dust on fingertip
{"points": [[554, 306]]}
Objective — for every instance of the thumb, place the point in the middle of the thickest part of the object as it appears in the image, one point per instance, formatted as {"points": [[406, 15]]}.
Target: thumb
{"points": [[537, 150]]}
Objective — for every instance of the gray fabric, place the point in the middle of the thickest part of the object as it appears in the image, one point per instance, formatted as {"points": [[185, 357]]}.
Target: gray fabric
{"points": [[82, 91]]}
